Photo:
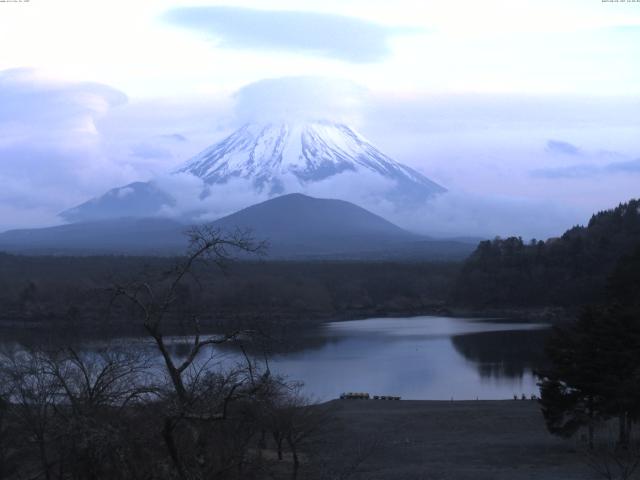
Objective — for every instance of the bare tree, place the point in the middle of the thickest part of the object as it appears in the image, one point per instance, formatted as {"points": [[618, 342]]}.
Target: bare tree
{"points": [[304, 423], [6, 452], [93, 381], [97, 390], [33, 395], [109, 415], [67, 411], [292, 420], [199, 396], [155, 303]]}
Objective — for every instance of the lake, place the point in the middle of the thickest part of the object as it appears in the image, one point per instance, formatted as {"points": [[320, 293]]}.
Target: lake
{"points": [[436, 358], [427, 357]]}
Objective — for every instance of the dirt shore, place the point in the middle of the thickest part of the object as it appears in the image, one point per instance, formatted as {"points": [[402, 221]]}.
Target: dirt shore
{"points": [[429, 440]]}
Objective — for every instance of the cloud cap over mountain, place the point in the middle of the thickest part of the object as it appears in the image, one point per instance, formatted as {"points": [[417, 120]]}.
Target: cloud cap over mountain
{"points": [[297, 99]]}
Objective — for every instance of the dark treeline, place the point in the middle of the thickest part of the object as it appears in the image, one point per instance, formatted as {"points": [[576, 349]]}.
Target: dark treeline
{"points": [[74, 291], [501, 274], [592, 383], [566, 271]]}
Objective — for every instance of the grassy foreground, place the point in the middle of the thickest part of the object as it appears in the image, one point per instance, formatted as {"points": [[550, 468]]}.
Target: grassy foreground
{"points": [[425, 440]]}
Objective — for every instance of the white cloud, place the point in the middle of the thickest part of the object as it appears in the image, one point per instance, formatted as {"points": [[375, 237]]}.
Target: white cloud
{"points": [[299, 99], [50, 149], [204, 202], [346, 38], [463, 214], [363, 188], [125, 192], [532, 46]]}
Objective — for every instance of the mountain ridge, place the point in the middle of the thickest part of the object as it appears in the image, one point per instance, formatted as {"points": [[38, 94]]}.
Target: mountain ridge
{"points": [[274, 159], [311, 152]]}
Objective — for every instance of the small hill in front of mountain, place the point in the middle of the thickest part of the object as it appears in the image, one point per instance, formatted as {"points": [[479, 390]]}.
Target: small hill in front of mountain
{"points": [[294, 226], [298, 224]]}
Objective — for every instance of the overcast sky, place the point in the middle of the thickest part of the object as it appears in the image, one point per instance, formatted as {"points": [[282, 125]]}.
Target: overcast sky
{"points": [[526, 110]]}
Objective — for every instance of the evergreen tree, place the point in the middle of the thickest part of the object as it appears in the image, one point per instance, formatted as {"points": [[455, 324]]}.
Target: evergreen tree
{"points": [[567, 272], [624, 284], [594, 373], [569, 389]]}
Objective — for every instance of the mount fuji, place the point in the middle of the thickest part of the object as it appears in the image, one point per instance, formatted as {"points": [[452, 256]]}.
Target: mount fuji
{"points": [[274, 159]]}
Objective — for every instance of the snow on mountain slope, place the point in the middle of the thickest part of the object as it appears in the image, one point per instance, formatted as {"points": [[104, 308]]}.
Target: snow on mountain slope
{"points": [[311, 152], [259, 161]]}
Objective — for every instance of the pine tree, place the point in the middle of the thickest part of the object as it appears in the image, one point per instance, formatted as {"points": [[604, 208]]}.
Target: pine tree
{"points": [[569, 389], [594, 372]]}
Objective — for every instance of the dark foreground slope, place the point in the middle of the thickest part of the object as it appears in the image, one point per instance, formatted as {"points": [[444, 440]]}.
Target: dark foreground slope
{"points": [[471, 440]]}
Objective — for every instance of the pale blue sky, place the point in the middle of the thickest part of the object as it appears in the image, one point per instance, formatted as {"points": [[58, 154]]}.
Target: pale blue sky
{"points": [[523, 106]]}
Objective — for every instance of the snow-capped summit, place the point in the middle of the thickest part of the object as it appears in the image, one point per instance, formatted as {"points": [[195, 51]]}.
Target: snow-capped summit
{"points": [[273, 154], [270, 159]]}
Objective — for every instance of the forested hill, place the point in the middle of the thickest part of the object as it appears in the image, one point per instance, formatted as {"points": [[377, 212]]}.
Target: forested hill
{"points": [[566, 271]]}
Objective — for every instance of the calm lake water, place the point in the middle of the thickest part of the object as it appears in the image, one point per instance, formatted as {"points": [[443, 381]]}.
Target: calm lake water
{"points": [[435, 358], [428, 357]]}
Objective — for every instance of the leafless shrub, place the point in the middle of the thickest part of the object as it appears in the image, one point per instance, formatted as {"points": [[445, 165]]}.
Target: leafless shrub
{"points": [[109, 415], [611, 460], [33, 395], [69, 411], [7, 452]]}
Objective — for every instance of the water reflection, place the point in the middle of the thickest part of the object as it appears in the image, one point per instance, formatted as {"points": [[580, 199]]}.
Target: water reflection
{"points": [[512, 353], [420, 357], [416, 358]]}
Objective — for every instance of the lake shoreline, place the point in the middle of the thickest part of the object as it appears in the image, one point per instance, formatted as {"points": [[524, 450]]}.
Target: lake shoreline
{"points": [[412, 357], [548, 315]]}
